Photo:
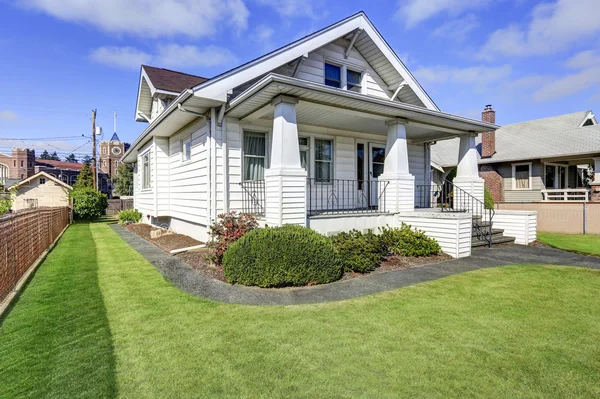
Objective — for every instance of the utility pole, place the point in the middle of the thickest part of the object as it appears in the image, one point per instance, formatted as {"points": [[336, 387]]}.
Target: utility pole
{"points": [[94, 149]]}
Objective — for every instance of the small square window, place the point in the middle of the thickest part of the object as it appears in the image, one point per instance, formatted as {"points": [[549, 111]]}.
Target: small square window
{"points": [[353, 81], [186, 149], [42, 180], [333, 76]]}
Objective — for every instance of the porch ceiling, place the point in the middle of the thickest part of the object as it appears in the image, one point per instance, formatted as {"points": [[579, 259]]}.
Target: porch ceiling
{"points": [[323, 106]]}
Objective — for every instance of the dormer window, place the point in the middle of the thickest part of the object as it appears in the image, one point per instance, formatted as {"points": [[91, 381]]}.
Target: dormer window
{"points": [[353, 78], [333, 76]]}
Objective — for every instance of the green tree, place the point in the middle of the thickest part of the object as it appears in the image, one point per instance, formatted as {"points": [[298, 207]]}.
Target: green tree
{"points": [[45, 155], [85, 178], [123, 181], [54, 157], [88, 203], [87, 160], [71, 158]]}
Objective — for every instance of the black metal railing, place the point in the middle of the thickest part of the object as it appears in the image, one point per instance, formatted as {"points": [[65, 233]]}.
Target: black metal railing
{"points": [[451, 198], [253, 197], [340, 196]]}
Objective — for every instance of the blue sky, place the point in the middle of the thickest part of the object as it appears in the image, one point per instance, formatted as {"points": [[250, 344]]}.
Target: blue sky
{"points": [[62, 58]]}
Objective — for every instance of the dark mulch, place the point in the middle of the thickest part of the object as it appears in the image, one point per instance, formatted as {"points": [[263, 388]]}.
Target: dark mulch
{"points": [[196, 259], [168, 242], [397, 262], [537, 243]]}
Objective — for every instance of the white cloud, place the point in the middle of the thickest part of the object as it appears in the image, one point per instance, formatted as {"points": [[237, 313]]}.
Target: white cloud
{"points": [[120, 57], [149, 18], [477, 75], [413, 12], [457, 29], [8, 115], [264, 33], [553, 28], [174, 55], [293, 8], [568, 85], [170, 55], [584, 59]]}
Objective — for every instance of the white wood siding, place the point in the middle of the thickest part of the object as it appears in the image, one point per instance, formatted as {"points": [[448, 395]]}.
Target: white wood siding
{"points": [[162, 175], [145, 197], [188, 187], [234, 160], [452, 232], [519, 224]]}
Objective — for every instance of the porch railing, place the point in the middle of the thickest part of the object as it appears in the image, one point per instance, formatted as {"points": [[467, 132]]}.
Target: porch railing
{"points": [[569, 194], [340, 196], [450, 198], [253, 197]]}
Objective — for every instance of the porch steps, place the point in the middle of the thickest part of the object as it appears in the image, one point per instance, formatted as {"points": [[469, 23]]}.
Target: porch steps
{"points": [[498, 236]]}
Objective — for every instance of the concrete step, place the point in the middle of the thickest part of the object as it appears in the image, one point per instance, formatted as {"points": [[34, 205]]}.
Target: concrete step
{"points": [[496, 240], [495, 232]]}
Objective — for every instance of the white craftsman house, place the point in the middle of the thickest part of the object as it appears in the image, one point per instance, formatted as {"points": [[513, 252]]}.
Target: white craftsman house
{"points": [[331, 132]]}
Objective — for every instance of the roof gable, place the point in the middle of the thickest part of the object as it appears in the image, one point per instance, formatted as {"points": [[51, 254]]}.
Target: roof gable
{"points": [[365, 38], [45, 175]]}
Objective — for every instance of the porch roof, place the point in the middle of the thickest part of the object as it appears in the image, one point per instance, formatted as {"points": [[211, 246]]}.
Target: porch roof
{"points": [[321, 105]]}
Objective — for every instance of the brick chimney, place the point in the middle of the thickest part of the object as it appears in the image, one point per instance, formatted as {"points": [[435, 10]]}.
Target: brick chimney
{"points": [[488, 139]]}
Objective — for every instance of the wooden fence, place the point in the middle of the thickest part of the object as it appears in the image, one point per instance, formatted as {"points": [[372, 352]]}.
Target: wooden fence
{"points": [[24, 236], [562, 217], [117, 205]]}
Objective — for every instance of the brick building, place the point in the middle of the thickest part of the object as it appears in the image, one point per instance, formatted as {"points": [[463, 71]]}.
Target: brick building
{"points": [[17, 166]]}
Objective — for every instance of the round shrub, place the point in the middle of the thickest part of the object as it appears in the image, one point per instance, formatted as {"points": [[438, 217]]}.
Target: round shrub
{"points": [[407, 242], [129, 216], [88, 203], [282, 256], [359, 252]]}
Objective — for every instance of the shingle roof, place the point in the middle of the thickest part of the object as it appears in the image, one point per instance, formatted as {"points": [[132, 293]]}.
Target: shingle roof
{"points": [[166, 79], [542, 138]]}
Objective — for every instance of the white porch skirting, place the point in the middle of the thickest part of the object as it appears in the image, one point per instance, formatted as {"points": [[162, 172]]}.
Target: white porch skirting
{"points": [[519, 224], [330, 225]]}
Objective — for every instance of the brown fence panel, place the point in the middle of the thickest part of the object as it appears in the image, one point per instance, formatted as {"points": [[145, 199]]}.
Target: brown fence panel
{"points": [[562, 217], [24, 236], [117, 205]]}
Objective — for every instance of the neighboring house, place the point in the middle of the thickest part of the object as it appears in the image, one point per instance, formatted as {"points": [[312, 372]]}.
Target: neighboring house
{"points": [[41, 189], [548, 159], [331, 132]]}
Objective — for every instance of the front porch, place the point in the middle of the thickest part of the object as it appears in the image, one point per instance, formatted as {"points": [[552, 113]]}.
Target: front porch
{"points": [[568, 179]]}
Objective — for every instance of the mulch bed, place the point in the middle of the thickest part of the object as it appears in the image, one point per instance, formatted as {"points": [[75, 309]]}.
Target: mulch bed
{"points": [[196, 259], [396, 262], [167, 242]]}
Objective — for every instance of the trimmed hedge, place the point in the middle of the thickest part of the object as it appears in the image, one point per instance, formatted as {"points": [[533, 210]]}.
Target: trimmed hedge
{"points": [[282, 256], [359, 252], [129, 216], [88, 203], [407, 242]]}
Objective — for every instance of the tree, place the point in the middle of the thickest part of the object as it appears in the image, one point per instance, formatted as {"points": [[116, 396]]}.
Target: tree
{"points": [[54, 157], [123, 181], [87, 160], [88, 203], [71, 158], [45, 155], [85, 178]]}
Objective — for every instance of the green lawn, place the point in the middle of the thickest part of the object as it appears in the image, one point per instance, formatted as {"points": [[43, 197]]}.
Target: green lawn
{"points": [[588, 244], [99, 321]]}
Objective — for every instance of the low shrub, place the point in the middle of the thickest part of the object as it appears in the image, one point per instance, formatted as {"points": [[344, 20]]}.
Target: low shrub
{"points": [[229, 228], [282, 256], [407, 242], [130, 216], [88, 203], [359, 252]]}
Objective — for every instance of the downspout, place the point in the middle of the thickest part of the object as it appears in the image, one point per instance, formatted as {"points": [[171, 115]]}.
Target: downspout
{"points": [[213, 168], [225, 166]]}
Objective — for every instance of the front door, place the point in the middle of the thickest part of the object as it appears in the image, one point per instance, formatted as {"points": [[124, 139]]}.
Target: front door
{"points": [[376, 160]]}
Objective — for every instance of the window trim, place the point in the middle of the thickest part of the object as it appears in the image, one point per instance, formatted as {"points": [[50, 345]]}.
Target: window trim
{"points": [[556, 165], [314, 159], [514, 176], [255, 129], [42, 180], [147, 153], [183, 142], [360, 84], [342, 71]]}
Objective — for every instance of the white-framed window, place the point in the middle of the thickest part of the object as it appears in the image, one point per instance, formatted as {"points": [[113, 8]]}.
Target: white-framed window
{"points": [[555, 176], [186, 149], [255, 155], [353, 81], [521, 176], [146, 171], [42, 180], [323, 160], [333, 75], [304, 144]]}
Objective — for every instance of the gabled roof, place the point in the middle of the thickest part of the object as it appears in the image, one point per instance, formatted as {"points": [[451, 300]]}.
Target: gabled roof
{"points": [[58, 164], [173, 81], [47, 176], [368, 41], [556, 136]]}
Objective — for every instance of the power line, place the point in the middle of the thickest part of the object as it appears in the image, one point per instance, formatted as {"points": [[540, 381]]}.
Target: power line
{"points": [[44, 138]]}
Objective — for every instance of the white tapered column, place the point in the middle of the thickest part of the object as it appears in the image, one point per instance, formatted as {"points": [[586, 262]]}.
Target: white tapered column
{"points": [[285, 179], [467, 172], [399, 184]]}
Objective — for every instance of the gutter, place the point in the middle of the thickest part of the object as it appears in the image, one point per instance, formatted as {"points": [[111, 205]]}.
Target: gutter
{"points": [[302, 84]]}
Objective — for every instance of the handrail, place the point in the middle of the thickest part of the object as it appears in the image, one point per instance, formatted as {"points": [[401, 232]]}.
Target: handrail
{"points": [[451, 198], [345, 196]]}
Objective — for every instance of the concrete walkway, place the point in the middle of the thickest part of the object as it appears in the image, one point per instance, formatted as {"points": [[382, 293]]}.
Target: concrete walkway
{"points": [[189, 280]]}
